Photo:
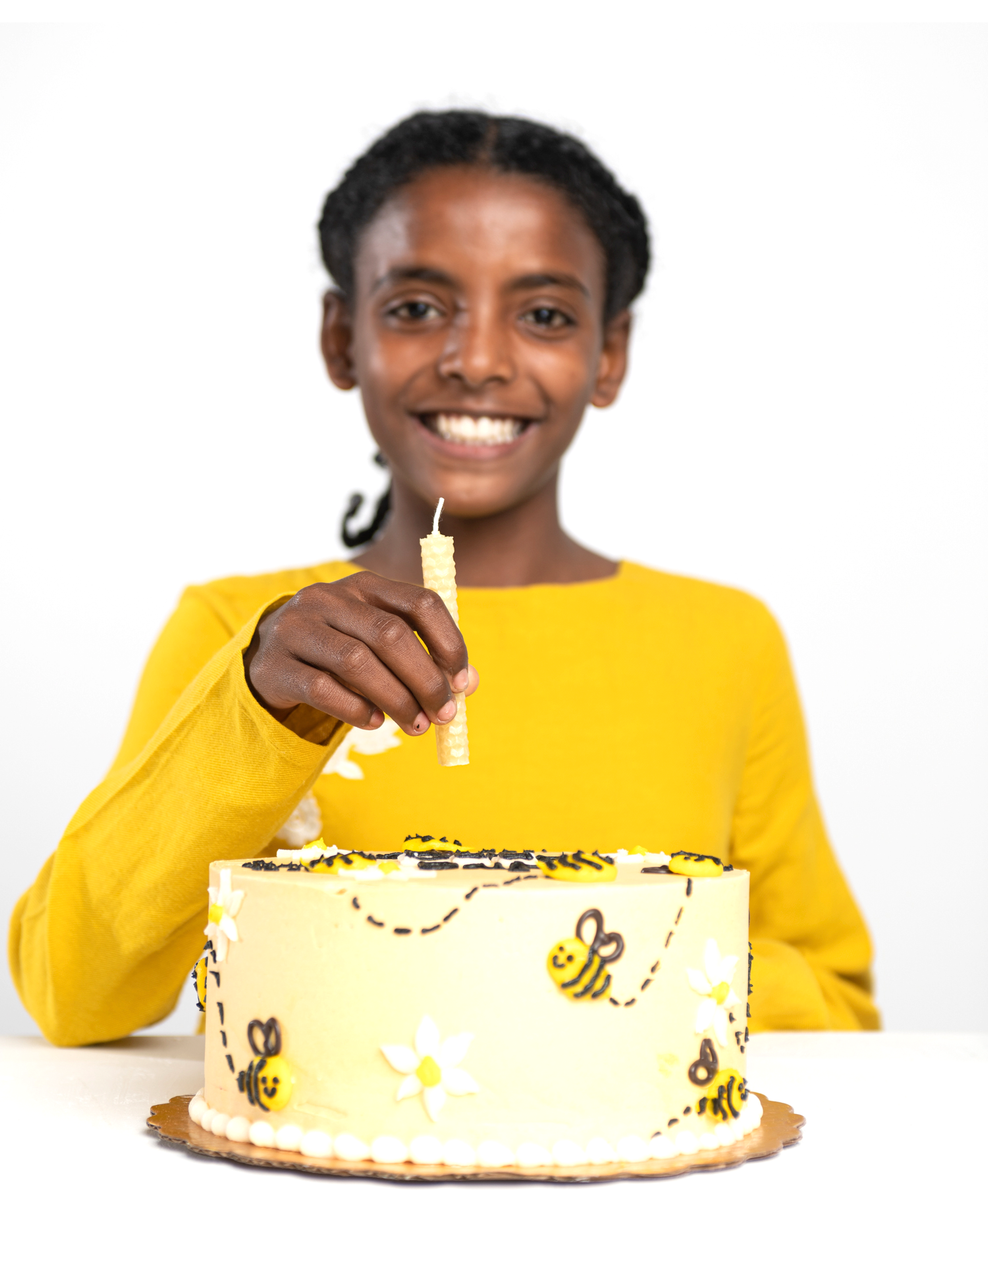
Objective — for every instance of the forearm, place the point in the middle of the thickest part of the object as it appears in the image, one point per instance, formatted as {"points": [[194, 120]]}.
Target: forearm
{"points": [[102, 941]]}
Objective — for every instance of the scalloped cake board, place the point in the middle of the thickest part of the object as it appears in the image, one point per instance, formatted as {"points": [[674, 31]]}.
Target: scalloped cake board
{"points": [[780, 1127]]}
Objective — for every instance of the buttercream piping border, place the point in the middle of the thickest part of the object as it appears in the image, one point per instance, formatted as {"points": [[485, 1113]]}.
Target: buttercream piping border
{"points": [[488, 1155]]}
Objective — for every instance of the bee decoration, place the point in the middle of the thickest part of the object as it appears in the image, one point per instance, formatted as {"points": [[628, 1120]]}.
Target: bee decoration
{"points": [[579, 866], [706, 1066], [701, 865], [577, 967], [199, 974], [725, 1096], [268, 1080]]}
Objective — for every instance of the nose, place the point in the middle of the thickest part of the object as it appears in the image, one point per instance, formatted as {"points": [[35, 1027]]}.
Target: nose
{"points": [[478, 350]]}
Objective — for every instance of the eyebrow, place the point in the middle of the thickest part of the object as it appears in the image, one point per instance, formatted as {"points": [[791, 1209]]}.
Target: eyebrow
{"points": [[540, 278], [431, 275]]}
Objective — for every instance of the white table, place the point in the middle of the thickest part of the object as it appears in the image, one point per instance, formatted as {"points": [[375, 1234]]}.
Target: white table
{"points": [[888, 1180]]}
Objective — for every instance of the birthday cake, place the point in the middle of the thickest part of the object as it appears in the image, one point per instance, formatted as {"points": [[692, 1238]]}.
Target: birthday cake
{"points": [[477, 1009]]}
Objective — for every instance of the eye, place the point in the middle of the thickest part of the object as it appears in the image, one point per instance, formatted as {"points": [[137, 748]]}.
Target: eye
{"points": [[547, 318], [414, 310]]}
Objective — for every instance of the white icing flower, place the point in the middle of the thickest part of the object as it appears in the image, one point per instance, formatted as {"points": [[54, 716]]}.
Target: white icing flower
{"points": [[715, 987], [366, 742], [432, 1069], [221, 928], [639, 855], [303, 825]]}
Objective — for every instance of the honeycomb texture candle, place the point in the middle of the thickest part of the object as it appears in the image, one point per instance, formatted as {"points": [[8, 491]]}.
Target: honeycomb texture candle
{"points": [[439, 575]]}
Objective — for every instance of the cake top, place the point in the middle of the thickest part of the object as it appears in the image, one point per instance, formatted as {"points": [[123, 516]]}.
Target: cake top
{"points": [[427, 857]]}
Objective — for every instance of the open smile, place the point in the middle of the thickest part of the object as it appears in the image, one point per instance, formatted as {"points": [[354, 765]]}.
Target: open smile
{"points": [[474, 429]]}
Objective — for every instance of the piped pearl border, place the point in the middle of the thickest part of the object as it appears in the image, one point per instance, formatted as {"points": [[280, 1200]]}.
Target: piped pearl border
{"points": [[488, 1155]]}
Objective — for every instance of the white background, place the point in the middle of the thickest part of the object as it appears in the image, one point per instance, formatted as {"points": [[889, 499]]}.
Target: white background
{"points": [[805, 416]]}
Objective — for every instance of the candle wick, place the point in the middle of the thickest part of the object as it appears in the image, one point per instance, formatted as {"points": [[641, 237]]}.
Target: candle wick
{"points": [[435, 518]]}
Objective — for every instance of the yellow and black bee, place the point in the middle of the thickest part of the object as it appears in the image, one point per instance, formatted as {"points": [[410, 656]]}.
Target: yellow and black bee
{"points": [[724, 1097], [417, 844], [577, 967], [268, 1081], [331, 864], [579, 866], [200, 972], [698, 865]]}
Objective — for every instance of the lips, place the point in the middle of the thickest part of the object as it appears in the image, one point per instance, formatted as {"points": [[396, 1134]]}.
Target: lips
{"points": [[461, 428]]}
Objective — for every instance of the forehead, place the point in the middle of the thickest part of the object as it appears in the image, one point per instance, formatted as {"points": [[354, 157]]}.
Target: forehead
{"points": [[471, 222]]}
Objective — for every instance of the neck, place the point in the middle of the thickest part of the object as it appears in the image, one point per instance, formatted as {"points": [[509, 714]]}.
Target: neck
{"points": [[515, 548]]}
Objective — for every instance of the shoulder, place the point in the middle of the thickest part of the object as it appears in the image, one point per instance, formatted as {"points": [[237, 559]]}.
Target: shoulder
{"points": [[234, 600], [709, 626], [715, 623], [677, 597]]}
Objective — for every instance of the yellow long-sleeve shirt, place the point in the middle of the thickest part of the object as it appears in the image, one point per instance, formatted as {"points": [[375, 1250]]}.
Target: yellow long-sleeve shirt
{"points": [[640, 709]]}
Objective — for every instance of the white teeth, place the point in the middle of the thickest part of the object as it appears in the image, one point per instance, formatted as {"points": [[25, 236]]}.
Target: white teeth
{"points": [[464, 430]]}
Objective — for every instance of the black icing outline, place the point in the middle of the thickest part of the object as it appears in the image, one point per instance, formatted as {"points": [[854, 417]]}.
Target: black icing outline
{"points": [[707, 1064]]}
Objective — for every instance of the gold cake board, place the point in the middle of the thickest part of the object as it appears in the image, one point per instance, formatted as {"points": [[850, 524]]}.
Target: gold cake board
{"points": [[780, 1127]]}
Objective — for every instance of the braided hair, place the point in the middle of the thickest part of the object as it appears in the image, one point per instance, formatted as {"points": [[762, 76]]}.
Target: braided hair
{"points": [[507, 144]]}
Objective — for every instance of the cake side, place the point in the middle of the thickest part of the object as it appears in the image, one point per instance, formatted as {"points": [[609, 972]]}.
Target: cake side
{"points": [[519, 1017]]}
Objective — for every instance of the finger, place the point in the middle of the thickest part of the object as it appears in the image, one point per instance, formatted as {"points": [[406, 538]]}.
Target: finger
{"points": [[290, 682], [473, 680], [394, 642], [355, 665], [425, 612]]}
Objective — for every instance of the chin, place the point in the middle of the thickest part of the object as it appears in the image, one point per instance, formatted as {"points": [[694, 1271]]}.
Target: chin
{"points": [[467, 499]]}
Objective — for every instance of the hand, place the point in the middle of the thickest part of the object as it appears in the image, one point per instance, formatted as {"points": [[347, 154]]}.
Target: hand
{"points": [[349, 649]]}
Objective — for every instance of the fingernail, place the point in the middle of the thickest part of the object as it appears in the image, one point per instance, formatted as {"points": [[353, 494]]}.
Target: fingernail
{"points": [[376, 720], [447, 712], [461, 680], [420, 724]]}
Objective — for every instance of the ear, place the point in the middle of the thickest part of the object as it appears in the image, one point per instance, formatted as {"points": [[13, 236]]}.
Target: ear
{"points": [[613, 360], [336, 340]]}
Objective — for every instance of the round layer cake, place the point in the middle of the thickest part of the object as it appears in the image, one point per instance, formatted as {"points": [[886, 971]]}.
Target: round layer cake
{"points": [[489, 1010]]}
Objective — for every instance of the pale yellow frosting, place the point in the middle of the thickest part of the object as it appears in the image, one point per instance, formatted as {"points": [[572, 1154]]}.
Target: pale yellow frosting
{"points": [[366, 1013]]}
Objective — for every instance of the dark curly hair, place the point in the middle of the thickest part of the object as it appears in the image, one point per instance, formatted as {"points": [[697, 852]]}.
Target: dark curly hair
{"points": [[434, 139]]}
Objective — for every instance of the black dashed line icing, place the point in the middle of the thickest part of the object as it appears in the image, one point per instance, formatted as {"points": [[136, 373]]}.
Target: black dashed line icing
{"points": [[402, 930], [648, 981]]}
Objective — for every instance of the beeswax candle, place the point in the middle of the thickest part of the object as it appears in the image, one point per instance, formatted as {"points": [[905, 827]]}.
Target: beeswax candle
{"points": [[439, 575]]}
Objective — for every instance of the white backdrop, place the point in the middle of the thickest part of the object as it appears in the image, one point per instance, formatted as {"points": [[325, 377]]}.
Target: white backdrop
{"points": [[805, 416]]}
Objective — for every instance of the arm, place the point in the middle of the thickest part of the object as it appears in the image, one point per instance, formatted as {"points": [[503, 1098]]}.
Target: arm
{"points": [[212, 764], [104, 939], [810, 945]]}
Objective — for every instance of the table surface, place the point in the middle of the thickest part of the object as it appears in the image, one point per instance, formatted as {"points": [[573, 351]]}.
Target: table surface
{"points": [[889, 1176]]}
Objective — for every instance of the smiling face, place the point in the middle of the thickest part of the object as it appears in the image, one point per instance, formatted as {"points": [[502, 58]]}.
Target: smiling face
{"points": [[476, 335]]}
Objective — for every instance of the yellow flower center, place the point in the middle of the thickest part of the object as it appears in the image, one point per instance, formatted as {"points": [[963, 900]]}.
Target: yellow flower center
{"points": [[719, 992], [428, 1071], [215, 913]]}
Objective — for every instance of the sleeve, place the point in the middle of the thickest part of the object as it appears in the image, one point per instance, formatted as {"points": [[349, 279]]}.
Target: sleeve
{"points": [[810, 947], [102, 942]]}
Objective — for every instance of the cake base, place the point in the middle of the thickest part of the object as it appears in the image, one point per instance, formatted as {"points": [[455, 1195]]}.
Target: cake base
{"points": [[780, 1127]]}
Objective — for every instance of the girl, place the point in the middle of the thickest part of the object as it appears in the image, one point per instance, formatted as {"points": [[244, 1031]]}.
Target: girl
{"points": [[484, 268]]}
